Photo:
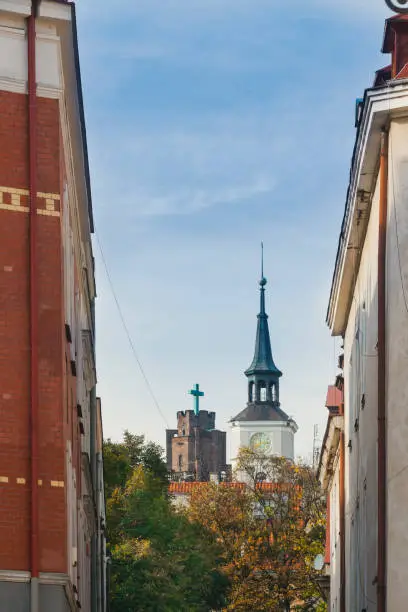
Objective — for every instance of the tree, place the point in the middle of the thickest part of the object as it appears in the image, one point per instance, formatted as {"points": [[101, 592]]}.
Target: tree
{"points": [[160, 560], [121, 458], [270, 528]]}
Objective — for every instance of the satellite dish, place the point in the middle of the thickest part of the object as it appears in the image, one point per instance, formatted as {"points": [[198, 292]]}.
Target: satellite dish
{"points": [[398, 6], [318, 563]]}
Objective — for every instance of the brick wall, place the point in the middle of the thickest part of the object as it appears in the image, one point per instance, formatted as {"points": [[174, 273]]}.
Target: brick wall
{"points": [[15, 338], [196, 436]]}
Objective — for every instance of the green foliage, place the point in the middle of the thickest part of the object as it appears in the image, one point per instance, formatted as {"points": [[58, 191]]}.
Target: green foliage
{"points": [[271, 529], [121, 458], [238, 548], [161, 561]]}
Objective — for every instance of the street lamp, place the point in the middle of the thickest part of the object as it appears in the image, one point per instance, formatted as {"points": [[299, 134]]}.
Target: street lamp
{"points": [[398, 6]]}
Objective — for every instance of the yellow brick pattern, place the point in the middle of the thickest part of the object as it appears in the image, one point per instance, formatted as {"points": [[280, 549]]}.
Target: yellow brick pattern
{"points": [[55, 484], [50, 209]]}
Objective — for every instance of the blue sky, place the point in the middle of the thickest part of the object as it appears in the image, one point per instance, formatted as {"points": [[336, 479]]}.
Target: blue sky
{"points": [[213, 125]]}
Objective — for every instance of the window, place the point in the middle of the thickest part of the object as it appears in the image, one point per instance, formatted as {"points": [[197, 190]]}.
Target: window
{"points": [[251, 392], [262, 391], [180, 462], [274, 392]]}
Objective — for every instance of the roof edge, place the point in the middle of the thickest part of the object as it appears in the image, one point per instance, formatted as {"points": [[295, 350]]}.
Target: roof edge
{"points": [[81, 114]]}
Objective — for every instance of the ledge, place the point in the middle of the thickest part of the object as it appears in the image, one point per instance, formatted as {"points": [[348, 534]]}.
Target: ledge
{"points": [[55, 10], [19, 7], [380, 106]]}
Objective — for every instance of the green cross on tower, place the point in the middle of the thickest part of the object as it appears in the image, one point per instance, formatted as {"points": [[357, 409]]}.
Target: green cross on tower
{"points": [[197, 394]]}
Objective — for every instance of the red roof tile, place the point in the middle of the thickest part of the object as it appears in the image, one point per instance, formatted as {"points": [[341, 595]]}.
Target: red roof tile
{"points": [[403, 74], [388, 42], [187, 488], [334, 397]]}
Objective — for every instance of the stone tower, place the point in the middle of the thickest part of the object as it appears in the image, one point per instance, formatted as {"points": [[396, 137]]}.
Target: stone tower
{"points": [[196, 450]]}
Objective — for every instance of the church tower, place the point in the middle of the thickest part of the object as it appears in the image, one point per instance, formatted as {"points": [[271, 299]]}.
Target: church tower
{"points": [[263, 425], [196, 450]]}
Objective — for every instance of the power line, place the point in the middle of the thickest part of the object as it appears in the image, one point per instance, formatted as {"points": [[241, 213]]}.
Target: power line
{"points": [[126, 329]]}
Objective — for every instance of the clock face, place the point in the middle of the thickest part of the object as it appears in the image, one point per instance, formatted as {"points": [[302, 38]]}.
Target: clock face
{"points": [[261, 442]]}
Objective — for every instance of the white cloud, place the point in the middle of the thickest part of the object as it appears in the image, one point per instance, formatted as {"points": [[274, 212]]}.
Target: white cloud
{"points": [[190, 201]]}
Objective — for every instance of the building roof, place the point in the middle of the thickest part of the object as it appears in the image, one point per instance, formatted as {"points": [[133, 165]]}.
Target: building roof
{"points": [[403, 74], [382, 76], [261, 411]]}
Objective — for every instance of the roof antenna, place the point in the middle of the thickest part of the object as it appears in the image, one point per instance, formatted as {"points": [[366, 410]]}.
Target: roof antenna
{"points": [[263, 280]]}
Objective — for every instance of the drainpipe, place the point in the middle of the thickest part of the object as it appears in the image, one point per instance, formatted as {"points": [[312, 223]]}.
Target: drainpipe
{"points": [[94, 539], [342, 528], [94, 472], [382, 482], [34, 314]]}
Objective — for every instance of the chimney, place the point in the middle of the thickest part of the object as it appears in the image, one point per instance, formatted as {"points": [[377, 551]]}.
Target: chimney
{"points": [[396, 43]]}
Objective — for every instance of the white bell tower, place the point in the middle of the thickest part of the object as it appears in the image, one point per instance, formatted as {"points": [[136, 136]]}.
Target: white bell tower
{"points": [[263, 425]]}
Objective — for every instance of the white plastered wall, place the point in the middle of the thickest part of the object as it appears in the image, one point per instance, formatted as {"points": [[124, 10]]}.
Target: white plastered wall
{"points": [[335, 537], [13, 56], [360, 402], [281, 434], [397, 368]]}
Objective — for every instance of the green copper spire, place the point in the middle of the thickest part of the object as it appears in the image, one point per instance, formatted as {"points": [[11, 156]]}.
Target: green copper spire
{"points": [[263, 375], [263, 360]]}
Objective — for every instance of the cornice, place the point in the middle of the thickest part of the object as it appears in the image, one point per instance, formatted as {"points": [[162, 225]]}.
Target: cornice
{"points": [[49, 9], [18, 7], [381, 105]]}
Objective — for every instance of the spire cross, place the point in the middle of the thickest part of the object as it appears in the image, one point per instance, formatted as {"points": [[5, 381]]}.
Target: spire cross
{"points": [[196, 393]]}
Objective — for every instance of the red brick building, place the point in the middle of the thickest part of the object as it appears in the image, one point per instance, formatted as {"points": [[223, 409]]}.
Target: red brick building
{"points": [[196, 450], [51, 506]]}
